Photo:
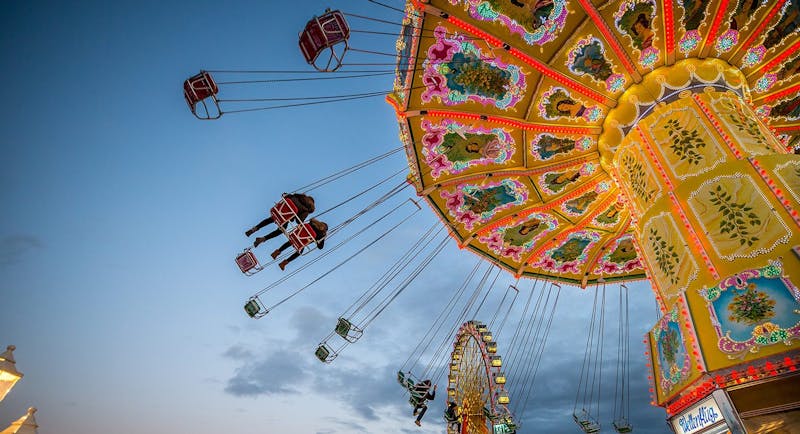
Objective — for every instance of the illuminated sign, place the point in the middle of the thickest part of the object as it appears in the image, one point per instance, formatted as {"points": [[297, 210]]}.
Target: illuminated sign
{"points": [[502, 428], [701, 415]]}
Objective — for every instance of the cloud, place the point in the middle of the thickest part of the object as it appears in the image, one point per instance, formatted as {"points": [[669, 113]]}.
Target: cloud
{"points": [[238, 352], [14, 247], [279, 372]]}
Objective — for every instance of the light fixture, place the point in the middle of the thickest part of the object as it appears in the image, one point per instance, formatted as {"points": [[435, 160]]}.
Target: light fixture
{"points": [[8, 371]]}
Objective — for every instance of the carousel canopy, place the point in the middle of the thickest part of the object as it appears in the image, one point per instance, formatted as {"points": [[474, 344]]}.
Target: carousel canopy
{"points": [[502, 103]]}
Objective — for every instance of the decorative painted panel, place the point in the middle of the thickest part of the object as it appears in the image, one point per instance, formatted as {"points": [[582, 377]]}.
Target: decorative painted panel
{"points": [[685, 142], [754, 309], [638, 177], [620, 257], [547, 146], [471, 204], [736, 217], [789, 175], [520, 237], [742, 123], [588, 58], [635, 19], [558, 103], [674, 363], [456, 71], [450, 147], [666, 251], [536, 21], [571, 255]]}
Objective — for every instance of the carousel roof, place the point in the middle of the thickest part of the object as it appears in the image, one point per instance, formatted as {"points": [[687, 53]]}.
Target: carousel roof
{"points": [[501, 105]]}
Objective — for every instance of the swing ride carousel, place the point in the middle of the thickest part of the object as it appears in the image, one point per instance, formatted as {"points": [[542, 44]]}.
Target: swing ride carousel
{"points": [[585, 142]]}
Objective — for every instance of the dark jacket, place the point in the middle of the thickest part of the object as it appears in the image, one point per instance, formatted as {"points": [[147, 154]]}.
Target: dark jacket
{"points": [[304, 204], [321, 230]]}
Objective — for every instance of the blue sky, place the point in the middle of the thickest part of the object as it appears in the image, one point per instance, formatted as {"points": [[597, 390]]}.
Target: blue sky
{"points": [[122, 215]]}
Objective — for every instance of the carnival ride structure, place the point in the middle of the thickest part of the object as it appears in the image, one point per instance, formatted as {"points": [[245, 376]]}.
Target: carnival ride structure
{"points": [[588, 142]]}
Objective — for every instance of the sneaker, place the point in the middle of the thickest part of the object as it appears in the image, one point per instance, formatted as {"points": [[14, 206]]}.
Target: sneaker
{"points": [[418, 423]]}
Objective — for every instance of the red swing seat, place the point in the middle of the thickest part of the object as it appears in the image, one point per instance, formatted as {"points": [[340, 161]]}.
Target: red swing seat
{"points": [[302, 236], [283, 212], [197, 90], [323, 33], [248, 262]]}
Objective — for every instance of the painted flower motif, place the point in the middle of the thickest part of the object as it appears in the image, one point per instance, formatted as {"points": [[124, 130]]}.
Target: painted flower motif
{"points": [[727, 41], [649, 57], [689, 42], [754, 56], [764, 83]]}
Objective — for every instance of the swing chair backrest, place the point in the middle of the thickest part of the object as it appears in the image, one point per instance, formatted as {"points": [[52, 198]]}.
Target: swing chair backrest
{"points": [[586, 424], [347, 330], [248, 262], [325, 354], [196, 90], [321, 33], [283, 212], [199, 87], [302, 235], [622, 426], [255, 309]]}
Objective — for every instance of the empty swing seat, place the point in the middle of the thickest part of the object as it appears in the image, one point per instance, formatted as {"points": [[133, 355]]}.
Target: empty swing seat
{"points": [[302, 236], [347, 330], [283, 211], [585, 422], [622, 426], [323, 33], [254, 308], [197, 89], [248, 262], [324, 353]]}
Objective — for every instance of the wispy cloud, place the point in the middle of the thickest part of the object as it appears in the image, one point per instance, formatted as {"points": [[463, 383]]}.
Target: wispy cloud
{"points": [[14, 247], [277, 372]]}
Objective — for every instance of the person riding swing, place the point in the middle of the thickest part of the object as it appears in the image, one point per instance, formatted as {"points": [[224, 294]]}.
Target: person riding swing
{"points": [[420, 394]]}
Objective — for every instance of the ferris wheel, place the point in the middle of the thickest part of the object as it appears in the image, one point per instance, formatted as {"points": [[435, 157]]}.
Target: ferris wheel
{"points": [[476, 384]]}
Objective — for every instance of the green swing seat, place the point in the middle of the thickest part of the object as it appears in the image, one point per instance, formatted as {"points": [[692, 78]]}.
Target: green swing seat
{"points": [[347, 330], [622, 426], [324, 353], [254, 308]]}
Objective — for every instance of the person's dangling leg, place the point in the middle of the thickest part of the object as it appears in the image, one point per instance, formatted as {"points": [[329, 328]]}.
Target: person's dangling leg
{"points": [[268, 236], [423, 409], [294, 256], [283, 247], [263, 223]]}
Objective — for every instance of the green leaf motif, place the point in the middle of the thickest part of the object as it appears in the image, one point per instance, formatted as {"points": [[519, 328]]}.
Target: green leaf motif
{"points": [[685, 143], [638, 178], [738, 220], [666, 257], [746, 124]]}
